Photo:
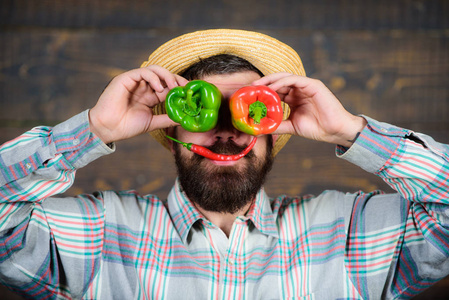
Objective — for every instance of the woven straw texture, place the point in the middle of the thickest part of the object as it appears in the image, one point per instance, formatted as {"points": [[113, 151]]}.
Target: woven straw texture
{"points": [[267, 54]]}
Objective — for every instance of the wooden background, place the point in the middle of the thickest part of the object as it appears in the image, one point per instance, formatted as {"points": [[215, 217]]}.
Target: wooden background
{"points": [[386, 59]]}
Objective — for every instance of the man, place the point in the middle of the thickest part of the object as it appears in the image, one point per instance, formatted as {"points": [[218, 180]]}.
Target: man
{"points": [[218, 235]]}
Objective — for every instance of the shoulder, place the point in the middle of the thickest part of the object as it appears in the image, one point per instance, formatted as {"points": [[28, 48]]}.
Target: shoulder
{"points": [[128, 213], [107, 202], [330, 207], [131, 201], [327, 201]]}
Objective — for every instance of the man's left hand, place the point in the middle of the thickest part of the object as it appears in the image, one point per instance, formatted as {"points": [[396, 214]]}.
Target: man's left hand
{"points": [[315, 111]]}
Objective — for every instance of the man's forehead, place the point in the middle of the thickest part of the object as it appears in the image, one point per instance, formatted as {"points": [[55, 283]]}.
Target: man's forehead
{"points": [[229, 83]]}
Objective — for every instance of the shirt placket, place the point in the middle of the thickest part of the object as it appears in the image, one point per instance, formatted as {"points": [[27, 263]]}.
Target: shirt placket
{"points": [[231, 280], [235, 262]]}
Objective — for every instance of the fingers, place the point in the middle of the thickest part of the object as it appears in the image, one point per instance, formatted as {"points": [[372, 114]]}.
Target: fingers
{"points": [[269, 79], [293, 88], [148, 85], [156, 77], [286, 127], [165, 77], [281, 82], [181, 80]]}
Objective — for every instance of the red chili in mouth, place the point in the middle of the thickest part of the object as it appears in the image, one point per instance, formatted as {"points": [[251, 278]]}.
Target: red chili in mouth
{"points": [[203, 151]]}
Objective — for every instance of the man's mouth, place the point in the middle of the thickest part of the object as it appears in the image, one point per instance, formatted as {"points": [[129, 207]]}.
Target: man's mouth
{"points": [[229, 148], [224, 162]]}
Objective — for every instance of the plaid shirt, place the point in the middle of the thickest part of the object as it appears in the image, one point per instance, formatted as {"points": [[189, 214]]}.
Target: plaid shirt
{"points": [[122, 245]]}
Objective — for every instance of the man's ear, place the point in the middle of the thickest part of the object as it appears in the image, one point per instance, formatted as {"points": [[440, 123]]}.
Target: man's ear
{"points": [[170, 131]]}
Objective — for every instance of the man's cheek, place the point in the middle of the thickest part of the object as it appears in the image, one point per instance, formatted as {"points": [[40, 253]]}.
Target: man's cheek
{"points": [[183, 153]]}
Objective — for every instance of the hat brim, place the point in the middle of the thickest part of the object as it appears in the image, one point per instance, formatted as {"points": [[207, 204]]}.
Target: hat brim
{"points": [[267, 54]]}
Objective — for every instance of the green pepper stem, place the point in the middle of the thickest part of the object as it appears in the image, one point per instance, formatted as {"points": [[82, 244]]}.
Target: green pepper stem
{"points": [[189, 101], [257, 111], [187, 145]]}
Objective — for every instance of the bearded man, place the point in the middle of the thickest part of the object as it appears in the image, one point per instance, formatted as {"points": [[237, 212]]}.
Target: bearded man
{"points": [[219, 235]]}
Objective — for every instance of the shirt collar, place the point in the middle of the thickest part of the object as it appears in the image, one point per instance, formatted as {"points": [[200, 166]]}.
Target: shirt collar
{"points": [[261, 214], [184, 214]]}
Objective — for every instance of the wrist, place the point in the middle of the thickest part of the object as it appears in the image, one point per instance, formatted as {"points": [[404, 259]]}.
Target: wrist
{"points": [[351, 131], [96, 128]]}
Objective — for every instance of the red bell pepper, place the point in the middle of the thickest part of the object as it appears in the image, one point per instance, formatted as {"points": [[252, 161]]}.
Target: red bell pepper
{"points": [[256, 110]]}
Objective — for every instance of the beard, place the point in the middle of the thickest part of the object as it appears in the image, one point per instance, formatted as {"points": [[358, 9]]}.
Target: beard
{"points": [[223, 189]]}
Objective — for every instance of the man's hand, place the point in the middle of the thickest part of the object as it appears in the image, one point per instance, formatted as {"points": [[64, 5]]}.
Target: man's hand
{"points": [[315, 112], [124, 109]]}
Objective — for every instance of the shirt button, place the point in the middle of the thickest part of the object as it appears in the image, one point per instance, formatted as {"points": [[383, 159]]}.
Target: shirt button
{"points": [[28, 166], [76, 142], [384, 130]]}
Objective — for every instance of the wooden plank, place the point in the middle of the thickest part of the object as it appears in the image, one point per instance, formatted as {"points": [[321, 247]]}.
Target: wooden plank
{"points": [[48, 75], [268, 14], [7, 294], [438, 291], [398, 77]]}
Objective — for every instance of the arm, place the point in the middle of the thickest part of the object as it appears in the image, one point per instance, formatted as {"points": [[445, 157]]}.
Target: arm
{"points": [[43, 161], [396, 244], [51, 246]]}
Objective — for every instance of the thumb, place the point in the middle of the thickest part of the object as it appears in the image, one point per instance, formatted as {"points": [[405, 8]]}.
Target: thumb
{"points": [[161, 122], [286, 127]]}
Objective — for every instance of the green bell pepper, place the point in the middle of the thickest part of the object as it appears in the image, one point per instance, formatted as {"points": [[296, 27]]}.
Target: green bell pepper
{"points": [[194, 106]]}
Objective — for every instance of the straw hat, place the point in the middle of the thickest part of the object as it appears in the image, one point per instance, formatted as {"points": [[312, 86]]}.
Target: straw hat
{"points": [[264, 52]]}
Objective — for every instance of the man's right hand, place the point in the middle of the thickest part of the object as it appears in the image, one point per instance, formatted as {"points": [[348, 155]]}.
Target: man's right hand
{"points": [[124, 109]]}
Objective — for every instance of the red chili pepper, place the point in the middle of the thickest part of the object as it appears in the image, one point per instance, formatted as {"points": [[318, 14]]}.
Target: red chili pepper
{"points": [[203, 151], [256, 110]]}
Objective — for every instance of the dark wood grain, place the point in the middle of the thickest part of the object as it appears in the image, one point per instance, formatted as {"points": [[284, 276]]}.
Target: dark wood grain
{"points": [[262, 14]]}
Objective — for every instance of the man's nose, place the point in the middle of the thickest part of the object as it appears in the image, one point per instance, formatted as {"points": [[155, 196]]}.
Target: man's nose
{"points": [[224, 128]]}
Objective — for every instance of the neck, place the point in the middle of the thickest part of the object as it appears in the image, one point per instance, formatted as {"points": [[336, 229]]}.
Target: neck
{"points": [[223, 220]]}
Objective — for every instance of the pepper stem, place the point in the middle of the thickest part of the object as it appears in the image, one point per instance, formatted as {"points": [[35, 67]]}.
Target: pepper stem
{"points": [[257, 111], [189, 100], [187, 145]]}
